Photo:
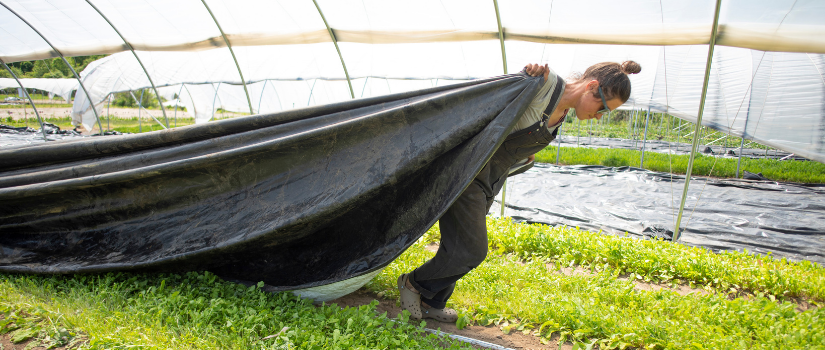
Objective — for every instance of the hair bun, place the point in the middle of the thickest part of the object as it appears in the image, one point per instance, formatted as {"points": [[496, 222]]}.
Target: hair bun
{"points": [[631, 67]]}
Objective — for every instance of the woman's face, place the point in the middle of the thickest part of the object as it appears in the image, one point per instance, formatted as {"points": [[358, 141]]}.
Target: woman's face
{"points": [[591, 103]]}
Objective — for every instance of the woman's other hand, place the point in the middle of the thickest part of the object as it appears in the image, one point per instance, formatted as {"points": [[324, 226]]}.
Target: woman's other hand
{"points": [[535, 69]]}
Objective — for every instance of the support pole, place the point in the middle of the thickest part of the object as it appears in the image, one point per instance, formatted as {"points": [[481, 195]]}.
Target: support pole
{"points": [[504, 62], [644, 141], [678, 230], [501, 37], [261, 99], [558, 147], [140, 104], [311, 90], [136, 57], [42, 126], [742, 144], [213, 102], [180, 91], [335, 42], [79, 82], [108, 112], [228, 45]]}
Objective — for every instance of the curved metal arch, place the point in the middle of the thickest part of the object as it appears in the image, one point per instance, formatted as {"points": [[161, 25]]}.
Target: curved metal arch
{"points": [[504, 62], [677, 229], [97, 117], [501, 38], [42, 128], [245, 90], [165, 119], [335, 42]]}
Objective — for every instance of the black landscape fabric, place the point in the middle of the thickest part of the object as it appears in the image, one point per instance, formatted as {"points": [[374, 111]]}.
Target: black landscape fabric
{"points": [[784, 219], [295, 199]]}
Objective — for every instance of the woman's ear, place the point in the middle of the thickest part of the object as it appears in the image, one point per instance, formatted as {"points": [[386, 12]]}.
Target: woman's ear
{"points": [[592, 86]]}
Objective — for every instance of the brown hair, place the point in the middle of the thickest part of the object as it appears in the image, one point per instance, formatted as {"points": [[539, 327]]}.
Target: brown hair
{"points": [[612, 77]]}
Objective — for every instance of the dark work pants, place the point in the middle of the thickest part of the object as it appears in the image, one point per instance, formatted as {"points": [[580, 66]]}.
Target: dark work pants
{"points": [[464, 227], [463, 247]]}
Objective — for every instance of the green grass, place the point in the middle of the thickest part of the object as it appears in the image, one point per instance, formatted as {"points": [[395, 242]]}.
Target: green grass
{"points": [[601, 309], [124, 125], [193, 311], [788, 170]]}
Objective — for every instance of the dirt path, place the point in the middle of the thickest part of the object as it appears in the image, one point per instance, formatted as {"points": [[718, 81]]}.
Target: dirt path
{"points": [[490, 334]]}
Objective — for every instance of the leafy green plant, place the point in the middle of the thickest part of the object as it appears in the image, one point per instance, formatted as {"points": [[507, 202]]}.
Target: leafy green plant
{"points": [[601, 309], [789, 170], [660, 261], [199, 310]]}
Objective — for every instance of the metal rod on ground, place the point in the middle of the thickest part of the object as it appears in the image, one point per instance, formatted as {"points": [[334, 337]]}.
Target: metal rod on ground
{"points": [[677, 229], [644, 141], [42, 126], [79, 82]]}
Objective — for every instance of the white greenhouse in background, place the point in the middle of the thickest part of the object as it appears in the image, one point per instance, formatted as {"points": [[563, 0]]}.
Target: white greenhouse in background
{"points": [[766, 81]]}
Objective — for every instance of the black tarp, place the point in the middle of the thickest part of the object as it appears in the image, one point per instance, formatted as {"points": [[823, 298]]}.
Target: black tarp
{"points": [[295, 199], [785, 219]]}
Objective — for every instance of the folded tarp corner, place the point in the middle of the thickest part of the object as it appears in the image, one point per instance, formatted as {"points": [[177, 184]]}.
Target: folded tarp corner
{"points": [[295, 199]]}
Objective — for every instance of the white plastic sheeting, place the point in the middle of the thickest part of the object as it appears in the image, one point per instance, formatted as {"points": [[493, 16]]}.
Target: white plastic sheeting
{"points": [[766, 82], [60, 87]]}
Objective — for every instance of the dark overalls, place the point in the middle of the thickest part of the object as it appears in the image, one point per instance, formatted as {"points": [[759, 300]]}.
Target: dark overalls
{"points": [[463, 225]]}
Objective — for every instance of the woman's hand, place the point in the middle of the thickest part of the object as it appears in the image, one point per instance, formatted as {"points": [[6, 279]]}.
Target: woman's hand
{"points": [[534, 70]]}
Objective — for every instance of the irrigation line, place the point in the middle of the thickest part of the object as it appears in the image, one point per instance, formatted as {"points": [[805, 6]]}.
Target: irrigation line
{"points": [[42, 126], [694, 145], [79, 82]]}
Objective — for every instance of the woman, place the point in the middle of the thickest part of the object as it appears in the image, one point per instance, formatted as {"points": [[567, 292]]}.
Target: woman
{"points": [[602, 88]]}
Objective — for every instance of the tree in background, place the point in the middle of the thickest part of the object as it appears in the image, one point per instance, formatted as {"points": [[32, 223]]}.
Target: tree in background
{"points": [[125, 99], [49, 68]]}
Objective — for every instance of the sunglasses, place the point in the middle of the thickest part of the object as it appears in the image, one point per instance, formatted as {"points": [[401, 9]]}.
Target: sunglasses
{"points": [[604, 109]]}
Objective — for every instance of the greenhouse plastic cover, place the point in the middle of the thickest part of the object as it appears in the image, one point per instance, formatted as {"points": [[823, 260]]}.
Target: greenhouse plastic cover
{"points": [[296, 199], [766, 81], [784, 219], [60, 87]]}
